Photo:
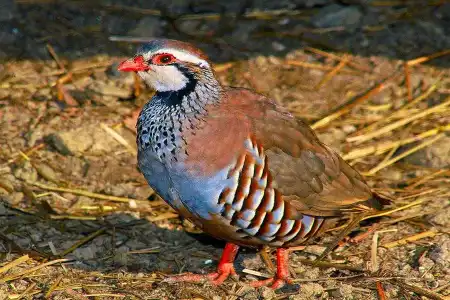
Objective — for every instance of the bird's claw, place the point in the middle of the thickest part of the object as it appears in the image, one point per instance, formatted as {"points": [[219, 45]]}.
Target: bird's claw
{"points": [[223, 272], [273, 283]]}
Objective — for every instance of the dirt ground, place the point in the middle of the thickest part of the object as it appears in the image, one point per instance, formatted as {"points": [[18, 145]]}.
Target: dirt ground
{"points": [[77, 219]]}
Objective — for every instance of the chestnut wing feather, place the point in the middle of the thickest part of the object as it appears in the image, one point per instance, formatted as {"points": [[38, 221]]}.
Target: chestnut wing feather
{"points": [[310, 175]]}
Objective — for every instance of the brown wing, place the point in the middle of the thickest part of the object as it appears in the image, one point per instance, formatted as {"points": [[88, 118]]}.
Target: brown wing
{"points": [[310, 175]]}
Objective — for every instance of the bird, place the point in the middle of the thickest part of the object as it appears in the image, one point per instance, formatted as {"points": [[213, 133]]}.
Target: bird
{"points": [[235, 163]]}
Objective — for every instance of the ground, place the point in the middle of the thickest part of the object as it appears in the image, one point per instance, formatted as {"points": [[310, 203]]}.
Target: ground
{"points": [[77, 219]]}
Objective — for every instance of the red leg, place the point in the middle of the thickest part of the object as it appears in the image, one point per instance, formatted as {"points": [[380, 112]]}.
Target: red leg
{"points": [[282, 276], [224, 269]]}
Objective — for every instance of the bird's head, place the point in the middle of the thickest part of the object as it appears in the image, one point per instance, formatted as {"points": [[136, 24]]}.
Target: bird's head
{"points": [[168, 65]]}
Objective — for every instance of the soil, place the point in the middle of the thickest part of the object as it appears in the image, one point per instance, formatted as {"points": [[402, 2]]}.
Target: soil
{"points": [[70, 188]]}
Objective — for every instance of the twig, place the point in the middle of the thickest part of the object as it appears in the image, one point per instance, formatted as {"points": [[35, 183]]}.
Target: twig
{"points": [[404, 241], [388, 212], [422, 180], [417, 290], [223, 67], [333, 72], [70, 217], [55, 57], [54, 286], [340, 58], [14, 263], [349, 227], [403, 155], [325, 264], [388, 156], [374, 249], [83, 241], [29, 271], [317, 66], [402, 109], [380, 291], [399, 123], [92, 195], [422, 59], [164, 216], [27, 290], [118, 138], [145, 251], [382, 147], [256, 273], [265, 257], [408, 81], [75, 294], [300, 280], [106, 295], [343, 109]]}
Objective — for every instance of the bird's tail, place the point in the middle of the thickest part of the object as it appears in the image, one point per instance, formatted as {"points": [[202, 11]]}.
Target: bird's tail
{"points": [[379, 200]]}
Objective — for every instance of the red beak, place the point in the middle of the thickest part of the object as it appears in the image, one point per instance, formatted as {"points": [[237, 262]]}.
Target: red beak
{"points": [[133, 65]]}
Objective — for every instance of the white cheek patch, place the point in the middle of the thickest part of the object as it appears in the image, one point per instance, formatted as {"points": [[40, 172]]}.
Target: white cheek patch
{"points": [[164, 78]]}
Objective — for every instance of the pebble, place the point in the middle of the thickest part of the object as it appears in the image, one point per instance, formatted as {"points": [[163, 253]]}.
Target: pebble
{"points": [[110, 90], [436, 155], [267, 293], [309, 291], [278, 46], [6, 185], [16, 198], [335, 15], [46, 172], [56, 142], [26, 172]]}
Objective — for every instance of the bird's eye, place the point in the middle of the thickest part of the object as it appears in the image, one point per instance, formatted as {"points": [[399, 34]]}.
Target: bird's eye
{"points": [[163, 59]]}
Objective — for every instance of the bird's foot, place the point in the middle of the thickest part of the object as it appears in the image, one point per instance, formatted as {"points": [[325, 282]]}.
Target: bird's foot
{"points": [[274, 283], [282, 276], [223, 272]]}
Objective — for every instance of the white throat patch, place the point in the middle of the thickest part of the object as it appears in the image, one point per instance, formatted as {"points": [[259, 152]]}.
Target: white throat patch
{"points": [[164, 78]]}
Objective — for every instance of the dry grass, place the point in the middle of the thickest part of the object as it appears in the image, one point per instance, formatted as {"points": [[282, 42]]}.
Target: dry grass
{"points": [[27, 271]]}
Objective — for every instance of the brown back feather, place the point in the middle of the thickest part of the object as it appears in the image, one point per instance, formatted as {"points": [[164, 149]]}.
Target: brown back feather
{"points": [[313, 178]]}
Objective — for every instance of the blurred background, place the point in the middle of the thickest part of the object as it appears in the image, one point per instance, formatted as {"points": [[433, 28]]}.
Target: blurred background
{"points": [[77, 219], [226, 29]]}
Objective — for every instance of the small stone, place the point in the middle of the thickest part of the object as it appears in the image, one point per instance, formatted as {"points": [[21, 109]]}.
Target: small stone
{"points": [[309, 291], [111, 90], [315, 249], [16, 198], [84, 253], [57, 143], [27, 173], [89, 138], [6, 184], [46, 172], [278, 46], [337, 15], [392, 174], [261, 61], [436, 155], [349, 128], [267, 293]]}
